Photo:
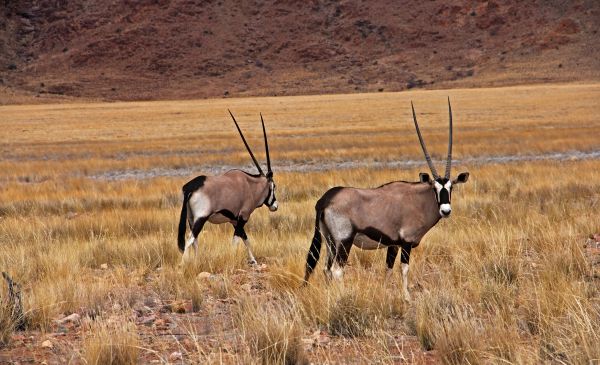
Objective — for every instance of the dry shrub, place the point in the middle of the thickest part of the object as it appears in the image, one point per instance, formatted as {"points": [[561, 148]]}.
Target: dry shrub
{"points": [[461, 341], [273, 333], [351, 314], [573, 338], [112, 343], [442, 321], [289, 276], [425, 319], [7, 321], [192, 290], [501, 269]]}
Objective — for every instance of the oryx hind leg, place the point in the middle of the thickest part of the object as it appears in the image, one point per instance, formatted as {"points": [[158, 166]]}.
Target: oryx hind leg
{"points": [[340, 236], [341, 257], [195, 229]]}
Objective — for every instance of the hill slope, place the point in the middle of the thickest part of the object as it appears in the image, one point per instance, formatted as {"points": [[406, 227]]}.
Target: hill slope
{"points": [[182, 49]]}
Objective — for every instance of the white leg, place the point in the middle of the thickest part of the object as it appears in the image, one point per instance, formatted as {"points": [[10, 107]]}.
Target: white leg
{"points": [[337, 272], [190, 242], [405, 281], [251, 258], [235, 241], [195, 246]]}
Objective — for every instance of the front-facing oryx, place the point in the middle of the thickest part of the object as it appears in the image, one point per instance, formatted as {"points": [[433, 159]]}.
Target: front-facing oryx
{"points": [[228, 198], [395, 216]]}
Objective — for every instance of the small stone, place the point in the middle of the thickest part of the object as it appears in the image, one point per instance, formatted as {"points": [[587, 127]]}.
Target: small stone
{"points": [[147, 321], [160, 322], [262, 267], [175, 356], [203, 275], [104, 266], [73, 318], [323, 340], [178, 307], [47, 344]]}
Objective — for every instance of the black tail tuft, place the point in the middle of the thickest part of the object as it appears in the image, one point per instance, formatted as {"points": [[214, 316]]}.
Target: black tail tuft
{"points": [[188, 189], [315, 249], [182, 222]]}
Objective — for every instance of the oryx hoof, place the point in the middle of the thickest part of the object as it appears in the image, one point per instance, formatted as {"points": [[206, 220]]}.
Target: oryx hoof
{"points": [[252, 262]]}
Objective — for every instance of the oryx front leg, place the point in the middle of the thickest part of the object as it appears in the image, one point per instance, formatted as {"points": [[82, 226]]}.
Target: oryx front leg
{"points": [[240, 234], [390, 259], [404, 259]]}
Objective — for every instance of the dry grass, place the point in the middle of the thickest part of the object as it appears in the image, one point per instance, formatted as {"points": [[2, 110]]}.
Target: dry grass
{"points": [[273, 332], [504, 280], [113, 342]]}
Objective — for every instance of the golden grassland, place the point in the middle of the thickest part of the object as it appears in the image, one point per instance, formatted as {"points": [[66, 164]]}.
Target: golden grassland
{"points": [[504, 280]]}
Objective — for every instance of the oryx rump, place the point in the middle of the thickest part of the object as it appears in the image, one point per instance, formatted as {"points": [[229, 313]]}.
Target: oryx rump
{"points": [[394, 216], [227, 198]]}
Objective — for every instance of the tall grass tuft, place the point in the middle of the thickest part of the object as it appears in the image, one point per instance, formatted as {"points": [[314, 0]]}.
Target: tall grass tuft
{"points": [[112, 343], [273, 333]]}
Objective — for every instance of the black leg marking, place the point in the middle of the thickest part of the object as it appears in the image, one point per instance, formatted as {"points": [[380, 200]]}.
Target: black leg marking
{"points": [[344, 252], [239, 229], [390, 257], [198, 225], [405, 256]]}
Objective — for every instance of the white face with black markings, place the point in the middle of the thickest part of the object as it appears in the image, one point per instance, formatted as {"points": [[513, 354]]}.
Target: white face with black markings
{"points": [[271, 201], [443, 191]]}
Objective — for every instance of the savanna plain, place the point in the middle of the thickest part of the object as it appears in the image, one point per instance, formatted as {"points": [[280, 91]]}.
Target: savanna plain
{"points": [[90, 200]]}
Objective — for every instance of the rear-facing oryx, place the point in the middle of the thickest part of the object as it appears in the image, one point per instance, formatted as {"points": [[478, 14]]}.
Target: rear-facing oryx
{"points": [[394, 216], [227, 198]]}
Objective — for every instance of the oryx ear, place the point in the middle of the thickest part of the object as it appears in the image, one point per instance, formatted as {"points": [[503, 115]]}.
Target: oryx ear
{"points": [[461, 178], [424, 177]]}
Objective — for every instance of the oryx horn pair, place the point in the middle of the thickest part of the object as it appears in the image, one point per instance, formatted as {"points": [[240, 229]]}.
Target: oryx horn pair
{"points": [[260, 171], [427, 157]]}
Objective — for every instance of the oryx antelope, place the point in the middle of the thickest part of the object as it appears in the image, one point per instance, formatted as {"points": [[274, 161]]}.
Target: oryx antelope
{"points": [[394, 216], [228, 198]]}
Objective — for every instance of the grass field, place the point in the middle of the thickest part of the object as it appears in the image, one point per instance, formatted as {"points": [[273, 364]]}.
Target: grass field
{"points": [[506, 279]]}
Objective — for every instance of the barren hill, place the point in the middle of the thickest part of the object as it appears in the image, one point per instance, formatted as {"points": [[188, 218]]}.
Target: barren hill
{"points": [[165, 49]]}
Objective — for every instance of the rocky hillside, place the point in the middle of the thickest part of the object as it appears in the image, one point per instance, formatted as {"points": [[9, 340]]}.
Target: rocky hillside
{"points": [[161, 49]]}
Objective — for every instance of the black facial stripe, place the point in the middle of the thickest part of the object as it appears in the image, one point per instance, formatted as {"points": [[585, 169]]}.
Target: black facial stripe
{"points": [[444, 197]]}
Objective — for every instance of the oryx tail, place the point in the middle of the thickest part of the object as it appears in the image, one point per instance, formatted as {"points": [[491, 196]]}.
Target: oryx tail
{"points": [[315, 248], [188, 189], [320, 230]]}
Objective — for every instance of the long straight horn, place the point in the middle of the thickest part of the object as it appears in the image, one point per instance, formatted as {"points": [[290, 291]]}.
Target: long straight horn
{"points": [[431, 167], [449, 159], [269, 171], [260, 171]]}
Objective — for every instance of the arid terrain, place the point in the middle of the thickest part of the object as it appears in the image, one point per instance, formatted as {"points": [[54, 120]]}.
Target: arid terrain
{"points": [[90, 200], [179, 49], [108, 107]]}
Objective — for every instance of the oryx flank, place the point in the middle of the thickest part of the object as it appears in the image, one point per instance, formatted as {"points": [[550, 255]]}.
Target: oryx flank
{"points": [[395, 216], [228, 198]]}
